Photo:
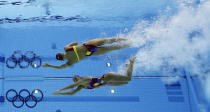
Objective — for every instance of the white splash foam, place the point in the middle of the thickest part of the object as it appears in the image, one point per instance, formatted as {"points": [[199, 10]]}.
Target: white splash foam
{"points": [[178, 41]]}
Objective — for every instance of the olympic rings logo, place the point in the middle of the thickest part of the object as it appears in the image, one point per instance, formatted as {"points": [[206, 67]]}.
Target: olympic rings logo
{"points": [[24, 97], [29, 58]]}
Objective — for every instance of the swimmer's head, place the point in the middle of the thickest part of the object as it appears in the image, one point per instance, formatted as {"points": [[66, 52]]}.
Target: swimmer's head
{"points": [[60, 56], [76, 78]]}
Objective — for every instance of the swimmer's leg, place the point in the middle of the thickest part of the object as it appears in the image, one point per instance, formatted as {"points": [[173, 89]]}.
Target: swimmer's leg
{"points": [[103, 41], [129, 70], [116, 77], [103, 50]]}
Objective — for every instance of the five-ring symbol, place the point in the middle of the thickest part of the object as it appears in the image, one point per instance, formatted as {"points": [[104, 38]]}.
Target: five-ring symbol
{"points": [[24, 97], [29, 58]]}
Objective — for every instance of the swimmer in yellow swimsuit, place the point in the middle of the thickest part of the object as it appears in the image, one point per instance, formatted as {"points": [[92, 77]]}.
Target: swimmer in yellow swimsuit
{"points": [[74, 52], [108, 79]]}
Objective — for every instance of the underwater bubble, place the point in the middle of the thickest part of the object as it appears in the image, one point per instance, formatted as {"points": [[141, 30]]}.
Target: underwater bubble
{"points": [[108, 64], [35, 65], [112, 91], [36, 91]]}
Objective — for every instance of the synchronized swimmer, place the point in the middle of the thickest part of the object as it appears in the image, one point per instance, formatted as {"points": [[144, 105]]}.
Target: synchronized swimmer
{"points": [[74, 52], [109, 79]]}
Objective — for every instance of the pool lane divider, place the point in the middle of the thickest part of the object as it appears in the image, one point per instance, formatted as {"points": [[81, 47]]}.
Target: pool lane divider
{"points": [[24, 78], [87, 99], [67, 78], [92, 99]]}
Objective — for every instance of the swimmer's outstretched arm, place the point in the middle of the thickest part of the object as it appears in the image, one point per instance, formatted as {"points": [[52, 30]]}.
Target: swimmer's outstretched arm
{"points": [[58, 67], [69, 86], [78, 83], [71, 92]]}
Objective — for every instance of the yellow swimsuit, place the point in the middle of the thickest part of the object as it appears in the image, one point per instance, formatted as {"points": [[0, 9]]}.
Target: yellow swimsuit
{"points": [[75, 50]]}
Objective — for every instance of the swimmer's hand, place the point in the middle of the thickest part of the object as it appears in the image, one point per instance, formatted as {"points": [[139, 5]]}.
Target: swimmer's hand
{"points": [[56, 92], [46, 65], [58, 67]]}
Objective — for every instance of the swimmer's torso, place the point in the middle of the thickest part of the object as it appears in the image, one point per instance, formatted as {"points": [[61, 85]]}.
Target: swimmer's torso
{"points": [[81, 50], [92, 82]]}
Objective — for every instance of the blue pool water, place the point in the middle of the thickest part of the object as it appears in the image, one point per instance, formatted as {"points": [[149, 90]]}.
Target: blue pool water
{"points": [[45, 34]]}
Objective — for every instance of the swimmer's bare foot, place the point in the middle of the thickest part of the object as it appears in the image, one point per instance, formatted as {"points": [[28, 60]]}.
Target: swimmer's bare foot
{"points": [[131, 61]]}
